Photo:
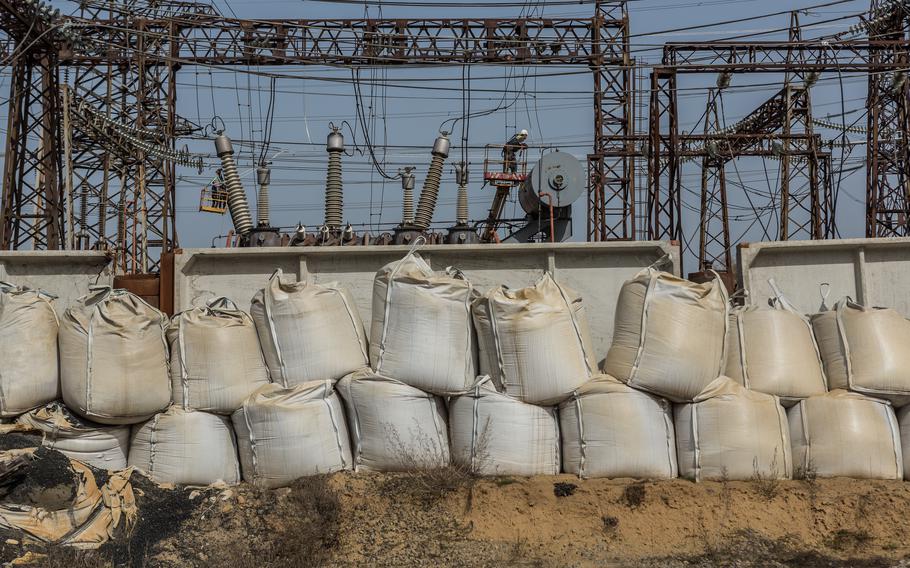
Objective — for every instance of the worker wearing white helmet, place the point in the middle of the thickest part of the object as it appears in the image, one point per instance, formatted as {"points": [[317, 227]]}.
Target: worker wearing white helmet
{"points": [[515, 144]]}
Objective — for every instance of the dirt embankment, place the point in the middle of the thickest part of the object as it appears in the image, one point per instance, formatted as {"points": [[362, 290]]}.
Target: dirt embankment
{"points": [[447, 519]]}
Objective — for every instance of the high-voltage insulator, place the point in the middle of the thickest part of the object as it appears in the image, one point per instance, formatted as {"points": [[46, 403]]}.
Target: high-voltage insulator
{"points": [[236, 196], [462, 233], [334, 191], [427, 204], [82, 235], [263, 178], [461, 207], [264, 235], [407, 189]]}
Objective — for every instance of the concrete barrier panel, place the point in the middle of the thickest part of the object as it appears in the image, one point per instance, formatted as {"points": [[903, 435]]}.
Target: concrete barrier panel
{"points": [[595, 270], [874, 272], [65, 274]]}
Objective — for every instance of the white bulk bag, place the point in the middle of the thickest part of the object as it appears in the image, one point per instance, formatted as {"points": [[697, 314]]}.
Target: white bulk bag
{"points": [[308, 332], [773, 350], [494, 434], [903, 420], [104, 447], [393, 426], [865, 349], [729, 432], [846, 434], [421, 332], [535, 342], [216, 361], [669, 334], [28, 350], [113, 358], [284, 434], [186, 447], [612, 430]]}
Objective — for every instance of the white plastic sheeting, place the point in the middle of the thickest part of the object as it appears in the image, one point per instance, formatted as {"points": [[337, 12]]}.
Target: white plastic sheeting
{"points": [[846, 434], [535, 342], [216, 361], [186, 447], [308, 332], [393, 426], [729, 432], [669, 334], [495, 434], [612, 430], [28, 350], [421, 332], [773, 350], [284, 434], [104, 447], [865, 349], [113, 358]]}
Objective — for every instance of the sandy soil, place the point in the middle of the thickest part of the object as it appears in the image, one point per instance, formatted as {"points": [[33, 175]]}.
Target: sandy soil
{"points": [[447, 519]]}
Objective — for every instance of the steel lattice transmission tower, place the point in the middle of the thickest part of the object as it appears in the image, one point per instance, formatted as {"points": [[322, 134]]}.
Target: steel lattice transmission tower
{"points": [[120, 195]]}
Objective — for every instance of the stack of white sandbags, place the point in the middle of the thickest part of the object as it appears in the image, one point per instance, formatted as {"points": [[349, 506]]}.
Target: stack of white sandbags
{"points": [[669, 335], [535, 341], [394, 426], [186, 447], [114, 358], [287, 433], [845, 434], [308, 332], [422, 332], [28, 350], [865, 350], [535, 346], [729, 432], [493, 433], [610, 429], [104, 447], [216, 361]]}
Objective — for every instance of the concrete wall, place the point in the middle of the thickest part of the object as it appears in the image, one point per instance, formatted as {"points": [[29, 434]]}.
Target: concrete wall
{"points": [[875, 272], [66, 274], [595, 270]]}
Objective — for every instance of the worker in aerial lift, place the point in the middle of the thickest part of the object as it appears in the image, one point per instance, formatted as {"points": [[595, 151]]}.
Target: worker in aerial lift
{"points": [[219, 191], [515, 145]]}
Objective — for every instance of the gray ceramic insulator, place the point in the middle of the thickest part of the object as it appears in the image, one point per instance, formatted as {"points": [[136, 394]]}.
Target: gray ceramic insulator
{"points": [[430, 192], [236, 196], [264, 178], [334, 189], [407, 204]]}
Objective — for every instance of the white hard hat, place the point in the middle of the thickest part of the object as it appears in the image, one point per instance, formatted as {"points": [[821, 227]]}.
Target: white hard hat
{"points": [[523, 132]]}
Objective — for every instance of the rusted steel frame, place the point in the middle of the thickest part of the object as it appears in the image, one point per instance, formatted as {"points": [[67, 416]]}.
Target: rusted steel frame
{"points": [[664, 199], [31, 213], [775, 57], [533, 41], [713, 205]]}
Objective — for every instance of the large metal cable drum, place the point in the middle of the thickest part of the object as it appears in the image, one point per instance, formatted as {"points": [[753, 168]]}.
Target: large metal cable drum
{"points": [[558, 174]]}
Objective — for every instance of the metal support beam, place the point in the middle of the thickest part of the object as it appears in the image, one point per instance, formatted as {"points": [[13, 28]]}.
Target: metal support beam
{"points": [[31, 215], [888, 148], [611, 168]]}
